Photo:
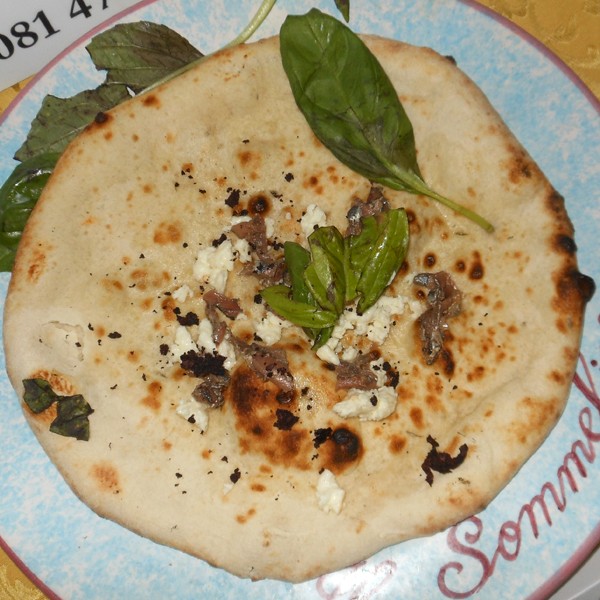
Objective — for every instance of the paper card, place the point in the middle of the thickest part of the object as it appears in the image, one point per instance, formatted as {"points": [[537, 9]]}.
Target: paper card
{"points": [[33, 32]]}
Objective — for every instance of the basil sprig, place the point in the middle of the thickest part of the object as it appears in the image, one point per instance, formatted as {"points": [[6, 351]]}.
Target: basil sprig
{"points": [[18, 196], [352, 106], [72, 412], [338, 270]]}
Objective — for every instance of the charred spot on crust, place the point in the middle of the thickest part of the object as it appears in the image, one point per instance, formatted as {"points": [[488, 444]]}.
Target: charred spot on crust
{"points": [[476, 271], [102, 118], [256, 409], [572, 286], [447, 360], [151, 100], [343, 448], [565, 243], [347, 445], [556, 203], [429, 260], [259, 205]]}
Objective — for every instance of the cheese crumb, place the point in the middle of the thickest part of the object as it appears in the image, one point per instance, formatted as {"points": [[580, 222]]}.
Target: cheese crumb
{"points": [[313, 217], [330, 495], [213, 265], [368, 405], [374, 324], [182, 343], [192, 409], [181, 294], [206, 343], [269, 328]]}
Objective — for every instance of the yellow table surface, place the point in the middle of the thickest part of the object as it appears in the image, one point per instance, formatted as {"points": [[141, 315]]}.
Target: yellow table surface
{"points": [[569, 28]]}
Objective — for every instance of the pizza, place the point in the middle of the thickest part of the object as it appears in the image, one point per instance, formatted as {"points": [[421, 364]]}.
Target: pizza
{"points": [[177, 401]]}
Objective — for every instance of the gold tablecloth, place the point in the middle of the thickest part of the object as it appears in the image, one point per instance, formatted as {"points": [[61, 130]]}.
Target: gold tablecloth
{"points": [[570, 29]]}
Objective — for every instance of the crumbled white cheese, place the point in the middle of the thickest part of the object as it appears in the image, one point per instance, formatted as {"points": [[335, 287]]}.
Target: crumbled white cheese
{"points": [[238, 219], [380, 373], [227, 350], [327, 353], [368, 405], [192, 409], [350, 353], [181, 294], [313, 217], [270, 227], [242, 250], [206, 343], [374, 324], [182, 343], [269, 328], [330, 495], [213, 265]]}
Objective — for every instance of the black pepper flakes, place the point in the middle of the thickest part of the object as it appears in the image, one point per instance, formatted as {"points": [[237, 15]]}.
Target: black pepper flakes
{"points": [[235, 476], [114, 335], [321, 436], [216, 243], [441, 462], [189, 319], [233, 199]]}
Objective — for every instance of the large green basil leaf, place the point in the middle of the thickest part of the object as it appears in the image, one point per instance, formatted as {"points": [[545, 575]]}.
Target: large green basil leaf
{"points": [[140, 54], [352, 106], [18, 196], [59, 120], [344, 7]]}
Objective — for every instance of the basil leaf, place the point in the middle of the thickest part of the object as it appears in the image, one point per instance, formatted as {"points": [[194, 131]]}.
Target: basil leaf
{"points": [[344, 7], [327, 250], [72, 417], [299, 313], [71, 411], [38, 395], [18, 196], [140, 54], [384, 259], [352, 106], [358, 249], [297, 259], [59, 120], [322, 337]]}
